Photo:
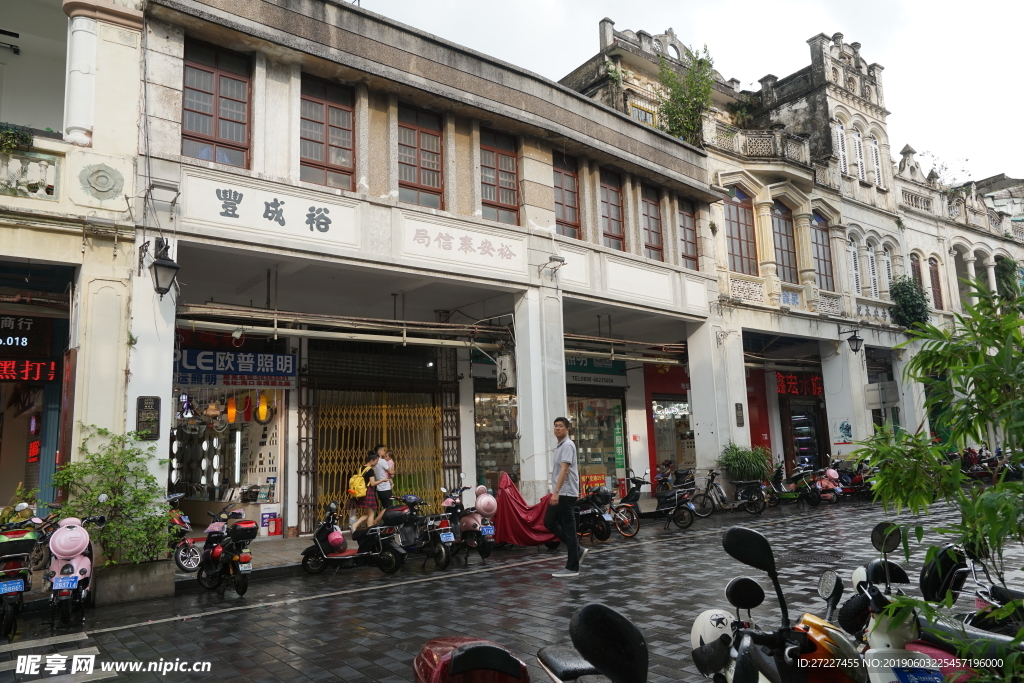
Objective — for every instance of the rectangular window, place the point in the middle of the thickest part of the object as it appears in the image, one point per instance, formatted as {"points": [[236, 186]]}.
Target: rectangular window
{"points": [[215, 102], [420, 174], [739, 234], [326, 134], [854, 268], [650, 209], [611, 211], [499, 184], [688, 234], [933, 272], [822, 253], [839, 145], [641, 114], [567, 196], [785, 243]]}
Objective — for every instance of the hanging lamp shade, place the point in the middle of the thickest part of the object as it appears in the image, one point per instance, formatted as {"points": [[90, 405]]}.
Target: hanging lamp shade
{"points": [[262, 407], [212, 410], [247, 408], [232, 410]]}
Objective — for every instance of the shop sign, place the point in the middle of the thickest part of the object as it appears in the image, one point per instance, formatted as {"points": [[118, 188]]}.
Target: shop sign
{"points": [[147, 417], [234, 369], [35, 447], [424, 239], [799, 384], [620, 444], [247, 208], [27, 370], [25, 336], [595, 379]]}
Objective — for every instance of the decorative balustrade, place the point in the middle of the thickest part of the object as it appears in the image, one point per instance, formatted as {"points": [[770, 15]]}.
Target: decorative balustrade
{"points": [[1018, 231], [776, 144], [916, 201], [830, 304], [747, 290], [30, 174]]}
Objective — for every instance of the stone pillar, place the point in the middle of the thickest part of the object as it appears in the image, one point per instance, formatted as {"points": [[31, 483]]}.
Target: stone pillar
{"points": [[972, 275], [912, 397], [607, 30], [362, 141], [637, 447], [805, 258], [717, 384], [990, 267], [467, 422], [80, 90], [767, 266], [844, 376], [883, 281], [865, 270], [540, 377], [840, 272]]}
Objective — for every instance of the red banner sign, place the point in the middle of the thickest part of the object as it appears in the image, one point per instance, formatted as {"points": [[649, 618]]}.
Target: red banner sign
{"points": [[27, 370], [799, 384]]}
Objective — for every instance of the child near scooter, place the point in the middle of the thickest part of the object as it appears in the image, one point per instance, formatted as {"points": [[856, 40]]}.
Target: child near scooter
{"points": [[367, 504]]}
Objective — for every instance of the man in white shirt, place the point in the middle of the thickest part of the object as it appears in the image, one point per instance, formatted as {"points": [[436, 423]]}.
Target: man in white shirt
{"points": [[565, 490], [383, 477]]}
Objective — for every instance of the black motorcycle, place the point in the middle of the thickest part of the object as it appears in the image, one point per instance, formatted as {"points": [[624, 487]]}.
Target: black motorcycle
{"points": [[592, 518], [674, 505], [226, 555], [429, 535], [377, 546]]}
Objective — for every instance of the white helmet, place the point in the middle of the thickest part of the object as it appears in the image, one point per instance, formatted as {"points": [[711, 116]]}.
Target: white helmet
{"points": [[709, 626]]}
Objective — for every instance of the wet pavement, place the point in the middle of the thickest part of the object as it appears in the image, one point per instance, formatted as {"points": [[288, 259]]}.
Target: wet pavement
{"points": [[360, 625]]}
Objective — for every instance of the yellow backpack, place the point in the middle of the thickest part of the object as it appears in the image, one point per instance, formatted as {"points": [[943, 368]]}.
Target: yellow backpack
{"points": [[357, 484]]}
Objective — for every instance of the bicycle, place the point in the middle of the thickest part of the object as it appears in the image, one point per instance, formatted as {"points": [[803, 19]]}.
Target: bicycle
{"points": [[749, 497]]}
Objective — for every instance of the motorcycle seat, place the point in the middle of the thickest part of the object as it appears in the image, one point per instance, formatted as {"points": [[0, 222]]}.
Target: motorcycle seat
{"points": [[983, 644], [1005, 595], [565, 662], [744, 484]]}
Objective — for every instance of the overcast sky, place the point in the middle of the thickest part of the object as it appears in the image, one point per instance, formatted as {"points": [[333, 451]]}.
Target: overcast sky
{"points": [[953, 71]]}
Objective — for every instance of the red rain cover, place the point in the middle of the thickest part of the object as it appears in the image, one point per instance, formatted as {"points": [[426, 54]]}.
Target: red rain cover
{"points": [[516, 522]]}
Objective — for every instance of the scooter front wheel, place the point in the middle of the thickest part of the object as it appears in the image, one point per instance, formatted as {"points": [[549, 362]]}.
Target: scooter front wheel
{"points": [[813, 498], [314, 563], [40, 557], [602, 530], [703, 505], [772, 499], [188, 557], [207, 580], [389, 561], [442, 556], [755, 504], [682, 517]]}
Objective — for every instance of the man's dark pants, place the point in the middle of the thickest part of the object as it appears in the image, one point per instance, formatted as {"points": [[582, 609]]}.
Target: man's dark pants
{"points": [[560, 520]]}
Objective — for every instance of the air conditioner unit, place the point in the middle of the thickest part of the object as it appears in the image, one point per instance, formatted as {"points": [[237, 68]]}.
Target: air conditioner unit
{"points": [[506, 372]]}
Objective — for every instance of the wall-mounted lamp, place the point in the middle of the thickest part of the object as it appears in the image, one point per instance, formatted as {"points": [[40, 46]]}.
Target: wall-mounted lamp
{"points": [[855, 341], [163, 268], [554, 263]]}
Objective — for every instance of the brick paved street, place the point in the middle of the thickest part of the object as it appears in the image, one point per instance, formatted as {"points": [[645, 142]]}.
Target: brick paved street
{"points": [[363, 626]]}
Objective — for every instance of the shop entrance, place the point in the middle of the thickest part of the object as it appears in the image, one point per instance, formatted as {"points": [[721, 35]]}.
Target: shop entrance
{"points": [[599, 428], [673, 436], [804, 432]]}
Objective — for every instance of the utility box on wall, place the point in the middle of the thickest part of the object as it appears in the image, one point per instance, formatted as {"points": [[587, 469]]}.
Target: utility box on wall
{"points": [[506, 372]]}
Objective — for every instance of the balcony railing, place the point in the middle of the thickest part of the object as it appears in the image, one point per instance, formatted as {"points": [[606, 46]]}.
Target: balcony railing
{"points": [[775, 144], [30, 174], [916, 201]]}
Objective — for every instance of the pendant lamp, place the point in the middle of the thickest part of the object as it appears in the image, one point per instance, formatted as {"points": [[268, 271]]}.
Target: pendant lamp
{"points": [[262, 407], [232, 410]]}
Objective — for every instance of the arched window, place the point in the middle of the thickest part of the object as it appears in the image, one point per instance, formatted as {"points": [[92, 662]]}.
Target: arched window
{"points": [[851, 252], [739, 233], [915, 270], [873, 272], [876, 162], [822, 253], [933, 272], [839, 145], [785, 242], [858, 152]]}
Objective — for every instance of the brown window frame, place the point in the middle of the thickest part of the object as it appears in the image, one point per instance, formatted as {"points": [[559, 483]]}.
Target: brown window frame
{"points": [[784, 237], [688, 253], [561, 171], [215, 114], [417, 186], [325, 166], [824, 273], [915, 270], [650, 217], [741, 234], [497, 205], [609, 237], [936, 279]]}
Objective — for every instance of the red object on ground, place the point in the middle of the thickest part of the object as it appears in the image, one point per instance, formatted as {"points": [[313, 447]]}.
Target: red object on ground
{"points": [[516, 522], [488, 662]]}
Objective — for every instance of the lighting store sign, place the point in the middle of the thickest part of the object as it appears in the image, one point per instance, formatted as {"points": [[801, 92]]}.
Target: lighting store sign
{"points": [[234, 369]]}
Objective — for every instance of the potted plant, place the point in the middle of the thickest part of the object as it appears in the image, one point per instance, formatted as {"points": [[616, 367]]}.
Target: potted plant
{"points": [[135, 539], [745, 464]]}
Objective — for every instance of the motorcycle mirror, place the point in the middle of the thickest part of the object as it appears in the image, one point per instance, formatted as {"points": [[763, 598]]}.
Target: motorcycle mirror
{"points": [[462, 475], [36, 520], [647, 471], [886, 537], [20, 507], [750, 548], [103, 498], [827, 583], [444, 490]]}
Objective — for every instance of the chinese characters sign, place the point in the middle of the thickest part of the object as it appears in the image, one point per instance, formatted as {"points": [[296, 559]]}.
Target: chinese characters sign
{"points": [[799, 384], [234, 368], [27, 370], [443, 242], [22, 335], [298, 221], [147, 417]]}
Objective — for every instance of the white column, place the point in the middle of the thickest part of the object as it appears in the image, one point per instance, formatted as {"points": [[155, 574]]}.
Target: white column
{"points": [[990, 267], [971, 275], [540, 377], [637, 449], [883, 281], [844, 376], [717, 384], [79, 94], [151, 359], [912, 410], [467, 422]]}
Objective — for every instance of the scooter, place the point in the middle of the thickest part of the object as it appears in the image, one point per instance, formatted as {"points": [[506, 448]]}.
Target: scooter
{"points": [[226, 554], [592, 520], [378, 546], [70, 573], [17, 541], [462, 659], [675, 505], [473, 529], [797, 489], [429, 535], [827, 481], [186, 555], [604, 643], [749, 497]]}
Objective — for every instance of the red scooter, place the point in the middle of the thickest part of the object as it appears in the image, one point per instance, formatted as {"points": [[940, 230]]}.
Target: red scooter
{"points": [[186, 555], [463, 659]]}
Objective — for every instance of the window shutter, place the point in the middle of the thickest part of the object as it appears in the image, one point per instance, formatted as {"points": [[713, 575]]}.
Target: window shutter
{"points": [[839, 136], [858, 149], [873, 274], [888, 268], [876, 160], [854, 268]]}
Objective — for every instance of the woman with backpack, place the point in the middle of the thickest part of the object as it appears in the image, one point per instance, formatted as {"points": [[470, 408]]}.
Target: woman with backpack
{"points": [[367, 503]]}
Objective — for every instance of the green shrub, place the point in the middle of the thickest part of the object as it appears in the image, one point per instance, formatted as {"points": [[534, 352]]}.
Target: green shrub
{"points": [[12, 136], [746, 464], [909, 302]]}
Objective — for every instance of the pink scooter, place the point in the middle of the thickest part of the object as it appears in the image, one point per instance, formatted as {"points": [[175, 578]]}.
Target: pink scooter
{"points": [[474, 529], [70, 570]]}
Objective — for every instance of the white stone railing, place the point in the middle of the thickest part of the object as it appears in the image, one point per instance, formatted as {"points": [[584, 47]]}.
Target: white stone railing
{"points": [[916, 201], [30, 174], [747, 290], [756, 143], [1018, 232], [830, 304]]}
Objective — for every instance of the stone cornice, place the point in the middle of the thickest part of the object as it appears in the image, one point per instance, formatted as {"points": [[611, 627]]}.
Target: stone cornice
{"points": [[107, 12]]}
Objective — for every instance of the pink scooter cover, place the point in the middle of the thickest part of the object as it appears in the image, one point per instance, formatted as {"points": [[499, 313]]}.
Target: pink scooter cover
{"points": [[516, 522]]}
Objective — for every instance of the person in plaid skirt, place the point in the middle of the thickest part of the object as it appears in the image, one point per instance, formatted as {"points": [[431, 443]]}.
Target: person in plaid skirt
{"points": [[367, 505]]}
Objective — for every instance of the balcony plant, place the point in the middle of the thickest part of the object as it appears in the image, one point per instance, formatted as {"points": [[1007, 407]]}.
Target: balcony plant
{"points": [[12, 137], [686, 97], [746, 464], [909, 302]]}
